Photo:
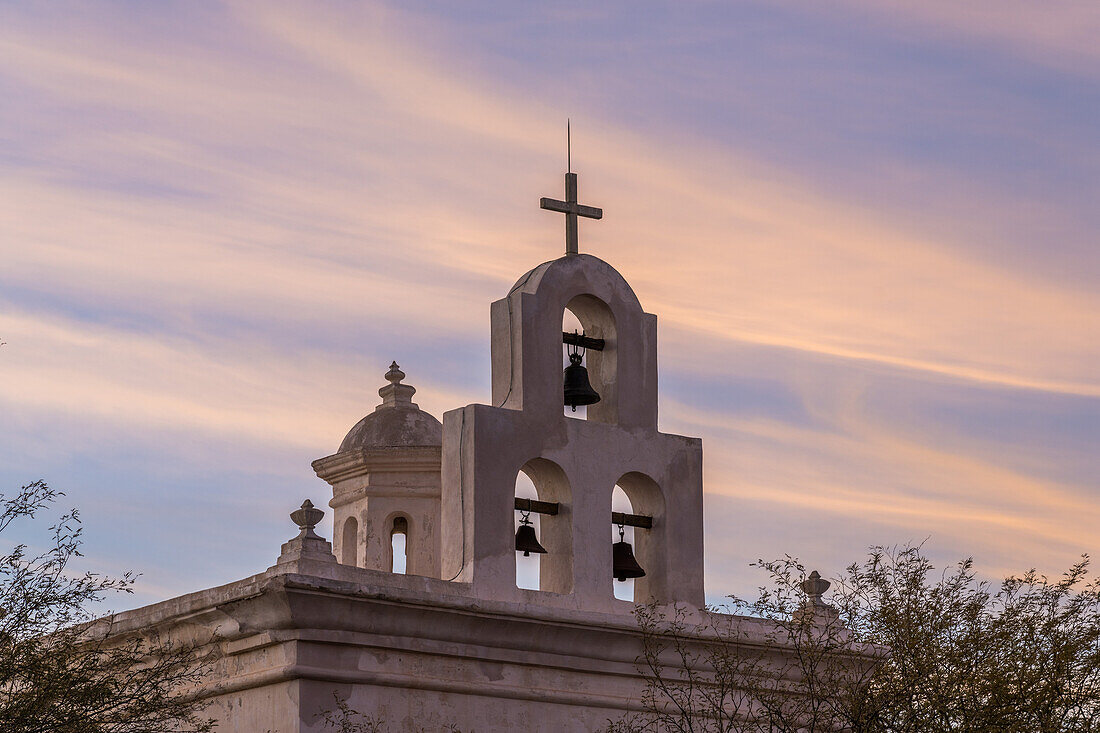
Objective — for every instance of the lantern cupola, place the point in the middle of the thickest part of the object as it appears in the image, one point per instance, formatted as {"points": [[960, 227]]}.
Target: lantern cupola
{"points": [[386, 484]]}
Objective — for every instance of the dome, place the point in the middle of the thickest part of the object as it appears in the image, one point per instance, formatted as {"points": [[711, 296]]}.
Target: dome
{"points": [[397, 423]]}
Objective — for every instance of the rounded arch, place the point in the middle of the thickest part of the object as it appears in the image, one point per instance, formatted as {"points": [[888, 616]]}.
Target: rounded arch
{"points": [[527, 341], [598, 321], [647, 498], [399, 529], [620, 502], [555, 532], [349, 542], [553, 273]]}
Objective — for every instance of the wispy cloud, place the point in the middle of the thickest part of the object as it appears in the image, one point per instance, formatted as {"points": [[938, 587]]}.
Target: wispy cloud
{"points": [[229, 220]]}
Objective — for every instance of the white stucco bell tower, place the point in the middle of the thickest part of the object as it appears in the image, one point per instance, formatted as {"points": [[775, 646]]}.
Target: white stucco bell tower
{"points": [[575, 464]]}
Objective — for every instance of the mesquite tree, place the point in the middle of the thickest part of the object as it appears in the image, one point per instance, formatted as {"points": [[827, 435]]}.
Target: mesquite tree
{"points": [[64, 670], [900, 647]]}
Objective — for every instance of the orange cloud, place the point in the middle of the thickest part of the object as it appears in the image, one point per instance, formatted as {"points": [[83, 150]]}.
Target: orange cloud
{"points": [[347, 174]]}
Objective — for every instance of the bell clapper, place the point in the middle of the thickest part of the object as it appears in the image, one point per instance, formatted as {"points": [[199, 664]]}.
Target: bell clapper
{"points": [[526, 519], [622, 538]]}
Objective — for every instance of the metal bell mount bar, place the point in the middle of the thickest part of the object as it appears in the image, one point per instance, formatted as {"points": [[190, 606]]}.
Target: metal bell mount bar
{"points": [[642, 521], [585, 342], [536, 506]]}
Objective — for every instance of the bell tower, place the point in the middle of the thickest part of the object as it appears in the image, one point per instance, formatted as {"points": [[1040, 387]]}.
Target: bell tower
{"points": [[575, 465]]}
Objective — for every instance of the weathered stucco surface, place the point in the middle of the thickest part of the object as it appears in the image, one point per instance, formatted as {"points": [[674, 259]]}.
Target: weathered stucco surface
{"points": [[418, 653], [455, 641], [582, 461]]}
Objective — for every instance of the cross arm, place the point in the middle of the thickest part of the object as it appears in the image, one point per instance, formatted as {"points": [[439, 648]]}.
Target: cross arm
{"points": [[554, 205], [569, 207]]}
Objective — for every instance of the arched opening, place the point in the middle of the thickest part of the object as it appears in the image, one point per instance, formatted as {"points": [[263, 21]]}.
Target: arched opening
{"points": [[544, 480], [620, 502], [589, 315], [399, 537], [349, 542], [527, 568], [570, 324], [644, 496]]}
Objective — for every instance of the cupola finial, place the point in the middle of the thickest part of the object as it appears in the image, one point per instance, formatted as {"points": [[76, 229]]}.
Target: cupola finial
{"points": [[395, 393], [394, 375]]}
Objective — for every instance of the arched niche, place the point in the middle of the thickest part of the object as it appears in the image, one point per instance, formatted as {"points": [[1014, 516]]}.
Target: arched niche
{"points": [[596, 321], [527, 568], [400, 543], [650, 545], [569, 324], [526, 342], [349, 544], [555, 532], [620, 502]]}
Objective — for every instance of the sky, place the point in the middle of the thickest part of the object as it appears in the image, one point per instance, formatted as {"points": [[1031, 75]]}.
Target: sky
{"points": [[867, 229]]}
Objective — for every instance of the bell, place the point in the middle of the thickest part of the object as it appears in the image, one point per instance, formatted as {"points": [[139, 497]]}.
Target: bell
{"points": [[578, 391], [624, 564], [526, 541]]}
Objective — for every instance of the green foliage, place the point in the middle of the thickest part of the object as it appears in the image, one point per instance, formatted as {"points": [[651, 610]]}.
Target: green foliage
{"points": [[902, 648], [61, 669]]}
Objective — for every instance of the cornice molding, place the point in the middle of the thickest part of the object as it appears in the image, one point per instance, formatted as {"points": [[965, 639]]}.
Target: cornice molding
{"points": [[349, 464]]}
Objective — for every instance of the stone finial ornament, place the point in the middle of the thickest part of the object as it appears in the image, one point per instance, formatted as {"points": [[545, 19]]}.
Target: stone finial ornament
{"points": [[814, 587], [814, 610], [307, 546], [307, 518], [396, 394], [394, 375]]}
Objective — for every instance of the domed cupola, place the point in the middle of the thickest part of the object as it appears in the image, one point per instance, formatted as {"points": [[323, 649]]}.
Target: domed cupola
{"points": [[396, 423], [386, 486]]}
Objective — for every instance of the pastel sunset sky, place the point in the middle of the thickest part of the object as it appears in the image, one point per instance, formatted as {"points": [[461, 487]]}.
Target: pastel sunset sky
{"points": [[868, 230]]}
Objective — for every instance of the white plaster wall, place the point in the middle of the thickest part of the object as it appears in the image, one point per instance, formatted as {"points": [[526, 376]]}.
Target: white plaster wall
{"points": [[484, 446], [404, 710], [418, 653], [375, 486], [273, 708]]}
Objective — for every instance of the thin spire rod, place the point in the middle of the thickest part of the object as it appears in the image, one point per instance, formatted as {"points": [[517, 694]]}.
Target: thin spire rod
{"points": [[569, 206]]}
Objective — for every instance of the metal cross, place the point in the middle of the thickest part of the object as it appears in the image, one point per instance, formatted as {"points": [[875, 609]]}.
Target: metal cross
{"points": [[572, 210], [570, 207]]}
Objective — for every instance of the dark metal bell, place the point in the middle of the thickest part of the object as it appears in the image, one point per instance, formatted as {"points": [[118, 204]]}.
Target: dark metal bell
{"points": [[526, 540], [578, 390], [625, 566]]}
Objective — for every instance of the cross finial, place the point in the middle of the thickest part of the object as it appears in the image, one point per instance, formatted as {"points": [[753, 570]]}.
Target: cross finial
{"points": [[570, 207]]}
